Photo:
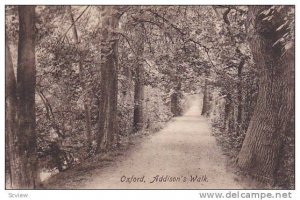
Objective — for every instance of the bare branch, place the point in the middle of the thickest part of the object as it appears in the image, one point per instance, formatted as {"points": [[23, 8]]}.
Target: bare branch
{"points": [[64, 35], [132, 49]]}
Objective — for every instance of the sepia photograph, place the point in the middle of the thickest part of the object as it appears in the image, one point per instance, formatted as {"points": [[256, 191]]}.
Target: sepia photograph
{"points": [[143, 97]]}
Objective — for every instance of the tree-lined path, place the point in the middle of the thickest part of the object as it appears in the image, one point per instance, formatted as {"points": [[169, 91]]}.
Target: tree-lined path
{"points": [[184, 148], [95, 96]]}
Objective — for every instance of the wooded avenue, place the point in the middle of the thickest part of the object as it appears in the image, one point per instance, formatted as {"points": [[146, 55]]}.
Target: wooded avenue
{"points": [[93, 92]]}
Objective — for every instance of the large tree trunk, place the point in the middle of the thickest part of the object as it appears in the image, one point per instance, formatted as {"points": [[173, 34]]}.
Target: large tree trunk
{"points": [[86, 105], [10, 121], [275, 104], [108, 83], [138, 119], [250, 101], [25, 163]]}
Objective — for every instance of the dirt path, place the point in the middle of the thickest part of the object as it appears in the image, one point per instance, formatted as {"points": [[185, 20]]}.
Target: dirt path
{"points": [[183, 149]]}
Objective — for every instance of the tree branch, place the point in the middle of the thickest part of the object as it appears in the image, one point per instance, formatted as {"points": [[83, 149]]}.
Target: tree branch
{"points": [[64, 35], [225, 16], [132, 49], [49, 111], [206, 49]]}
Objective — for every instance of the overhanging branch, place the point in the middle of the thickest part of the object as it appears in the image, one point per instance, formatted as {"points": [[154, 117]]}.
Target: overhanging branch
{"points": [[206, 49]]}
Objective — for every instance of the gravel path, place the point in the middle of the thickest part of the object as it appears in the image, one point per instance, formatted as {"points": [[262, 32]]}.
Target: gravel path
{"points": [[183, 155]]}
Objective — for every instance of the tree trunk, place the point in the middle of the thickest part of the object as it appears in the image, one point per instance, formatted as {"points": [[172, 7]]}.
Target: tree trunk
{"points": [[86, 106], [205, 104], [138, 119], [10, 121], [108, 83], [239, 120], [228, 112], [175, 101], [26, 154], [88, 122], [250, 102], [275, 104]]}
